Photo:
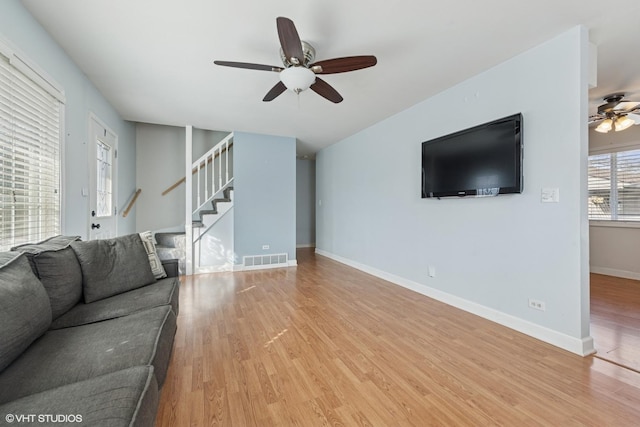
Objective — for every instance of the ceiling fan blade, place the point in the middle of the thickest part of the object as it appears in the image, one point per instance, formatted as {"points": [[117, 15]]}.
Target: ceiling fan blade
{"points": [[635, 117], [289, 39], [274, 92], [342, 65], [626, 106], [248, 65], [325, 90]]}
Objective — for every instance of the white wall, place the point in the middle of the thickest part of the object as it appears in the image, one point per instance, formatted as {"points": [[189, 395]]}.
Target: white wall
{"points": [[490, 254], [82, 98], [216, 248], [305, 202], [614, 247]]}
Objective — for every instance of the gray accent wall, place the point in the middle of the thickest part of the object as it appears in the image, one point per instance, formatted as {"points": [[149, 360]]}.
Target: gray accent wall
{"points": [[487, 255], [82, 98], [160, 163], [305, 202], [264, 195]]}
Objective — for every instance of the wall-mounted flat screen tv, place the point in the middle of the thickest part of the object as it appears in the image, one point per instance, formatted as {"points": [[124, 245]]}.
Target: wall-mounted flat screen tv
{"points": [[485, 160]]}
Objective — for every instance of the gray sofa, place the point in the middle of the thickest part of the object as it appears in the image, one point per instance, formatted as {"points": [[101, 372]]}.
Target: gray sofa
{"points": [[86, 331]]}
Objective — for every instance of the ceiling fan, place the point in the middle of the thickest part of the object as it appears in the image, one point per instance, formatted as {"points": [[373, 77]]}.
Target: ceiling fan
{"points": [[299, 72], [616, 113]]}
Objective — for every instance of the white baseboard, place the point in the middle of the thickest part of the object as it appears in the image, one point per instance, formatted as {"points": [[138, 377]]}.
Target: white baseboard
{"points": [[582, 347], [616, 273], [306, 245]]}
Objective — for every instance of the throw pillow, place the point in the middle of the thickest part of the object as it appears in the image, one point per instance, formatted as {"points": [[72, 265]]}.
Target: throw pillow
{"points": [[154, 260], [112, 266], [25, 313]]}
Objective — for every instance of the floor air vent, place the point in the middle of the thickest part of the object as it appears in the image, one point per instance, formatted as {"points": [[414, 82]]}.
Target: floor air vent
{"points": [[255, 262]]}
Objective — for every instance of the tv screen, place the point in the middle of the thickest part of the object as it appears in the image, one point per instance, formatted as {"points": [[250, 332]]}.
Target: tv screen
{"points": [[485, 160]]}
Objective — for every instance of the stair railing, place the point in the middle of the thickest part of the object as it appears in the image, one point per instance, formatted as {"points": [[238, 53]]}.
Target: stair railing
{"points": [[212, 172]]}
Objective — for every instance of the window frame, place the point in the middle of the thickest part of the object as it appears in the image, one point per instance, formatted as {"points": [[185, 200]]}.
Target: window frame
{"points": [[612, 223], [29, 69]]}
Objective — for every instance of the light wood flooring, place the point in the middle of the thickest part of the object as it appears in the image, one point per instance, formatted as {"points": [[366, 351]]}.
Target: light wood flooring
{"points": [[615, 319], [324, 344]]}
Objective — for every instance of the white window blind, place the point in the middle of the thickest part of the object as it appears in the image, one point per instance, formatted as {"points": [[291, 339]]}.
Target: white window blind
{"points": [[30, 146], [614, 186]]}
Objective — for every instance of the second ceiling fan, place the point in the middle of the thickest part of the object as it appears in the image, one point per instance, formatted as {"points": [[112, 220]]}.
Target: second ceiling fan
{"points": [[299, 72]]}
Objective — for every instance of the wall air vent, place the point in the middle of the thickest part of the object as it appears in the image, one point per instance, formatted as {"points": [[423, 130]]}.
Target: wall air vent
{"points": [[257, 262]]}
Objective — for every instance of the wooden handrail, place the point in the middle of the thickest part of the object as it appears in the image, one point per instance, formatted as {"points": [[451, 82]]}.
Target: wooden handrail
{"points": [[133, 200], [193, 171]]}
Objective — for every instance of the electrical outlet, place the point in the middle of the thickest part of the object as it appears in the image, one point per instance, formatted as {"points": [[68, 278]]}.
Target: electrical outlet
{"points": [[265, 247], [432, 271], [537, 304]]}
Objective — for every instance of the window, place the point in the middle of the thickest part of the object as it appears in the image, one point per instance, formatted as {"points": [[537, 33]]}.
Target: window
{"points": [[614, 186], [104, 168], [30, 152]]}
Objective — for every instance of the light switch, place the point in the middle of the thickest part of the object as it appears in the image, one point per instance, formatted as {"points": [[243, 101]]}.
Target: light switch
{"points": [[550, 195]]}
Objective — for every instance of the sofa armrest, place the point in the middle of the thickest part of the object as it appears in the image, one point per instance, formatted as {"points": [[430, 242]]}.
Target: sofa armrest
{"points": [[170, 267]]}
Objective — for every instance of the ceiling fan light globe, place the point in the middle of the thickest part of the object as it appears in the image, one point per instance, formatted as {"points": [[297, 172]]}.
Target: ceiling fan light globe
{"points": [[297, 78], [623, 122], [605, 126]]}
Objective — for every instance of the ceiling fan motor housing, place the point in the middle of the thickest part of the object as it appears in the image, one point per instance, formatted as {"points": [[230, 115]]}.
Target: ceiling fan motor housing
{"points": [[307, 50], [611, 101]]}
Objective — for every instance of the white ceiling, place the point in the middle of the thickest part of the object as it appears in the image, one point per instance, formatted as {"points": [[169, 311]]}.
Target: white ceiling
{"points": [[153, 59]]}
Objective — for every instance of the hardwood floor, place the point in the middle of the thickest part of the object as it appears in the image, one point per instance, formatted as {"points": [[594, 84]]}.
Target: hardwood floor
{"points": [[615, 319], [325, 344]]}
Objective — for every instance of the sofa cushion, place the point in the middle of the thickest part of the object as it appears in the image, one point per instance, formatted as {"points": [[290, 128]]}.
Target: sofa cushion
{"points": [[112, 266], [123, 398], [65, 356], [25, 313], [163, 292], [51, 244], [57, 267], [154, 261], [60, 274]]}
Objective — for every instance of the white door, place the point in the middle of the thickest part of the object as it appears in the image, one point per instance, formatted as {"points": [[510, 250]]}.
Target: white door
{"points": [[103, 154]]}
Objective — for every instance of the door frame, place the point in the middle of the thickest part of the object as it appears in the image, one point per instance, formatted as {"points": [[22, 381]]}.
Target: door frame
{"points": [[92, 172]]}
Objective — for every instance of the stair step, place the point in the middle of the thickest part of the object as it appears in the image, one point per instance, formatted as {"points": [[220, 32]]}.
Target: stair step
{"points": [[171, 240], [199, 221]]}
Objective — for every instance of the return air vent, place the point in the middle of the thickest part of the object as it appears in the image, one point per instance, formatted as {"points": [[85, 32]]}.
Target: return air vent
{"points": [[256, 262]]}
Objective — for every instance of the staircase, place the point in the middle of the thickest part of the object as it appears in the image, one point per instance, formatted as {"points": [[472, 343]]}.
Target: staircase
{"points": [[209, 197], [206, 218]]}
